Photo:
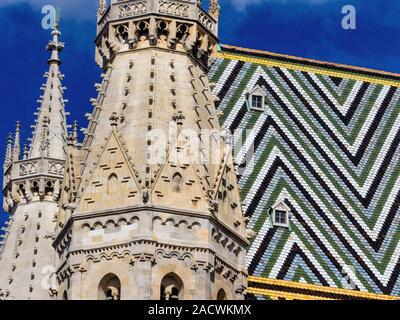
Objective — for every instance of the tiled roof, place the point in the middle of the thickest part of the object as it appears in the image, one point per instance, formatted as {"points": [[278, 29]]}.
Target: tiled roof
{"points": [[303, 64], [272, 289], [327, 145]]}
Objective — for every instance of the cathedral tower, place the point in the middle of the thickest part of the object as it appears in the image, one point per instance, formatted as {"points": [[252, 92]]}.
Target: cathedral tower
{"points": [[150, 206], [31, 187]]}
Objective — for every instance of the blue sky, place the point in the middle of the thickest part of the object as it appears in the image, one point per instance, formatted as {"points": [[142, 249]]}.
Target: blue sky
{"points": [[306, 28]]}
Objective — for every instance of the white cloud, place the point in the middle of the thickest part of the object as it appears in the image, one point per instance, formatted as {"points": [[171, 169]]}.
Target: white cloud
{"points": [[242, 4], [70, 8]]}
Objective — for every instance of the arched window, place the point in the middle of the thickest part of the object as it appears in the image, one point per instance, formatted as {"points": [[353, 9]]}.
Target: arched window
{"points": [[171, 287], [221, 295], [112, 185], [109, 288], [177, 183]]}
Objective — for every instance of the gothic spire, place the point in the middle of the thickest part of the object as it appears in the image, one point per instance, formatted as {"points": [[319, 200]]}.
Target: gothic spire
{"points": [[73, 136], [75, 131], [102, 8], [25, 152], [17, 146], [8, 159], [50, 131], [214, 9]]}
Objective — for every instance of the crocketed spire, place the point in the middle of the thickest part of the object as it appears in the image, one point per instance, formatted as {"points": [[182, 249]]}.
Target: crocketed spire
{"points": [[102, 7], [214, 8], [17, 145], [50, 134], [8, 158]]}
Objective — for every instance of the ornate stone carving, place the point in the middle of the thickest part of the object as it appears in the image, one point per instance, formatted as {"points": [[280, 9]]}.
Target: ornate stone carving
{"points": [[132, 9], [28, 168], [206, 21], [174, 8], [56, 167], [226, 242], [186, 224], [227, 271]]}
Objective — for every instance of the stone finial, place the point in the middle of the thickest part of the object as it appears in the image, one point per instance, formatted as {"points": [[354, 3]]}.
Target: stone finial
{"points": [[25, 152], [75, 131], [55, 46], [70, 140], [17, 148], [73, 136]]}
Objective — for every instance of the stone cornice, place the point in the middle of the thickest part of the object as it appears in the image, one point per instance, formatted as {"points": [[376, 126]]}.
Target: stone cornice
{"points": [[106, 213], [157, 245]]}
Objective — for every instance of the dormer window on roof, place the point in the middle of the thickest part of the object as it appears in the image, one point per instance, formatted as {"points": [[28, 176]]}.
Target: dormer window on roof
{"points": [[256, 102], [256, 99], [280, 215]]}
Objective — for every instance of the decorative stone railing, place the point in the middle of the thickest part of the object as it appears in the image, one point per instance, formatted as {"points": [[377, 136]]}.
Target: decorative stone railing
{"points": [[31, 179], [35, 167], [185, 9]]}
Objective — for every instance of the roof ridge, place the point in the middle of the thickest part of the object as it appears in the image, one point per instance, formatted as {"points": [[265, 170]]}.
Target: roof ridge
{"points": [[321, 63]]}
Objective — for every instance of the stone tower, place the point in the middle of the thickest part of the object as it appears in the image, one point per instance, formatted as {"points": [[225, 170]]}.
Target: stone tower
{"points": [[150, 206], [32, 187]]}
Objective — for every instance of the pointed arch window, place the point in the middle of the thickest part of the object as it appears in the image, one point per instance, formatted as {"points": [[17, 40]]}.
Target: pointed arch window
{"points": [[221, 295], [122, 33], [177, 181], [112, 184], [171, 287], [109, 288]]}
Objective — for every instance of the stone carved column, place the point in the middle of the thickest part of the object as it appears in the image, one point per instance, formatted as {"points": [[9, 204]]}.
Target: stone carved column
{"points": [[141, 272], [201, 273]]}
